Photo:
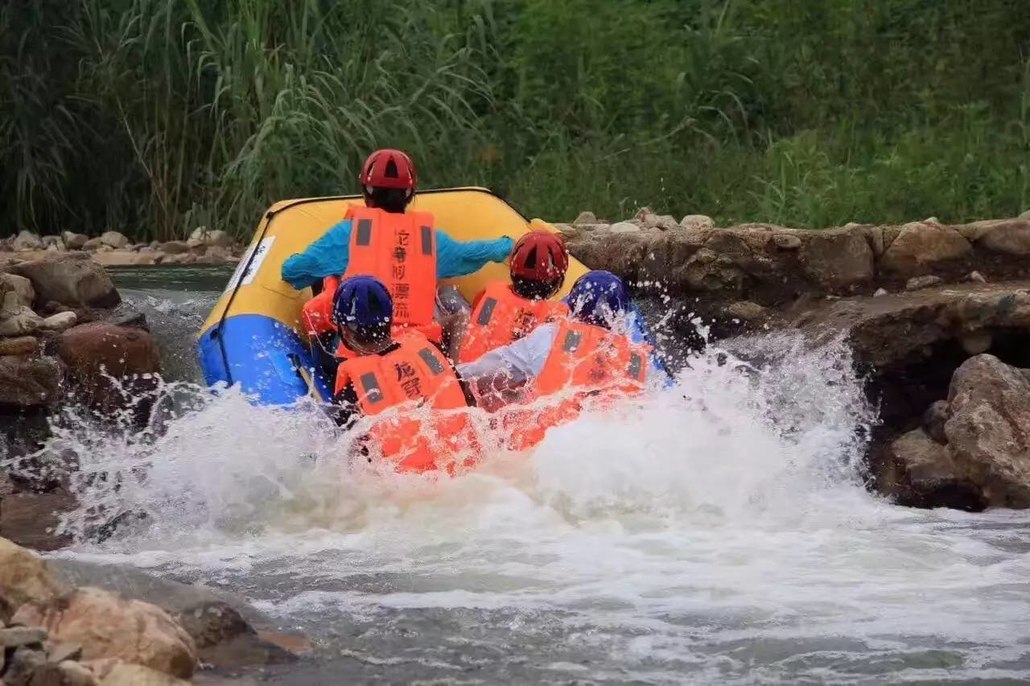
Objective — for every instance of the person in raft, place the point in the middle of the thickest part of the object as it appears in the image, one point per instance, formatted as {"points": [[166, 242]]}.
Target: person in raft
{"points": [[587, 354], [503, 312], [401, 248], [390, 367]]}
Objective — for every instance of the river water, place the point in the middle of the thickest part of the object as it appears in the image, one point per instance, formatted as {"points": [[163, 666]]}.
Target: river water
{"points": [[716, 532]]}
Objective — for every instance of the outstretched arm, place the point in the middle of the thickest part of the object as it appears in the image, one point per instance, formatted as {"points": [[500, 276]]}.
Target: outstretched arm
{"points": [[459, 258], [328, 256]]}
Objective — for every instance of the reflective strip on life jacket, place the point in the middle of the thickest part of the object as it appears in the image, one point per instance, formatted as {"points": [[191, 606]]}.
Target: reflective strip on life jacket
{"points": [[590, 357], [584, 360], [414, 372], [501, 316]]}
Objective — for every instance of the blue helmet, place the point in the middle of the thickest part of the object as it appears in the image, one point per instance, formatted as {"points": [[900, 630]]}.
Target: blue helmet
{"points": [[363, 312], [597, 296]]}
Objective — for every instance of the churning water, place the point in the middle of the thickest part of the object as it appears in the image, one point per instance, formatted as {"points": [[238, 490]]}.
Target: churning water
{"points": [[715, 532]]}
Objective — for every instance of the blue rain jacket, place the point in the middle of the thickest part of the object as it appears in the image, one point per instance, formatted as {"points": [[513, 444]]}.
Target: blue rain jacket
{"points": [[329, 255]]}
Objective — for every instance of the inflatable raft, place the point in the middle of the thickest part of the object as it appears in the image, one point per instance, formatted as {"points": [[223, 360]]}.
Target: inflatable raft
{"points": [[253, 336]]}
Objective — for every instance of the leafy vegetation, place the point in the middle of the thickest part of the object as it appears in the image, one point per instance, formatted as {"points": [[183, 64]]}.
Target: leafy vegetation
{"points": [[155, 116]]}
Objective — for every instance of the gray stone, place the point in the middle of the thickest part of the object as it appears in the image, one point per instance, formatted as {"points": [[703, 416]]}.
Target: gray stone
{"points": [[976, 277], [54, 241], [623, 227], [786, 241], [26, 240], [16, 636], [585, 217], [837, 259], [59, 322], [15, 292], [72, 279], [697, 221], [667, 222], [74, 241], [917, 283], [114, 239], [92, 244], [1010, 238]]}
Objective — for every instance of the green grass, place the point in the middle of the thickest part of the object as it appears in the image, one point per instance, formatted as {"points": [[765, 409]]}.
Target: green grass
{"points": [[156, 116]]}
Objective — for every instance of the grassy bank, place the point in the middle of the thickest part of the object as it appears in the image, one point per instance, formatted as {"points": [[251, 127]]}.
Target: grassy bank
{"points": [[155, 116]]}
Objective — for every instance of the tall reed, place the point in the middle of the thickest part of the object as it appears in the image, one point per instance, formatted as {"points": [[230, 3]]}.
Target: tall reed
{"points": [[156, 116]]}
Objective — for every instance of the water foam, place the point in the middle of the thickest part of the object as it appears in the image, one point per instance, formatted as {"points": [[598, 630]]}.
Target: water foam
{"points": [[717, 528]]}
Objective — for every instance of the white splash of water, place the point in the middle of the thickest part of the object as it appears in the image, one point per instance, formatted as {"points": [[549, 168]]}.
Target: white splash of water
{"points": [[717, 528]]}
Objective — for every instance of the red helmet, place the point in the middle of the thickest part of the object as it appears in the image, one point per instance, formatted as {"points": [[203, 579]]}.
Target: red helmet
{"points": [[388, 169], [538, 263]]}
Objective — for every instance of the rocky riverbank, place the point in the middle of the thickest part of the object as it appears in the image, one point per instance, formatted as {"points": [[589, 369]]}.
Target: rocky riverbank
{"points": [[114, 249], [65, 339], [938, 317], [62, 624]]}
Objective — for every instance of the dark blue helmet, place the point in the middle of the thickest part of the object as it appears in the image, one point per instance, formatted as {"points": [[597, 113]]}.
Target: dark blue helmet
{"points": [[363, 312], [597, 297]]}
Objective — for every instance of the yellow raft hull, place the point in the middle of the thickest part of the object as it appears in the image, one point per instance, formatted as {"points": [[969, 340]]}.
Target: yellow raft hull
{"points": [[252, 336]]}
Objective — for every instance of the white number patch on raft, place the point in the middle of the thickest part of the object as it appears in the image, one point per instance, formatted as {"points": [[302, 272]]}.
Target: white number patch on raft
{"points": [[248, 268]]}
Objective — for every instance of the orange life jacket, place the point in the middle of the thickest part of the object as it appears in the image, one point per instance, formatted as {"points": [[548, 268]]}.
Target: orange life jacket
{"points": [[416, 372], [400, 251], [585, 360], [502, 316]]}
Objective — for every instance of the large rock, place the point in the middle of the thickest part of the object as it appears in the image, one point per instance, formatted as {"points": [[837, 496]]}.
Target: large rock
{"points": [[16, 315], [23, 578], [22, 288], [72, 279], [919, 472], [975, 449], [1011, 237], [903, 327], [29, 381], [115, 239], [26, 240], [225, 639], [109, 626], [920, 247], [110, 364], [837, 258], [988, 429], [203, 237], [218, 238]]}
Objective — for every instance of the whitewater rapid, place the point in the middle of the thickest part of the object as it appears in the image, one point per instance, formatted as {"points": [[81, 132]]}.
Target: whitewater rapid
{"points": [[718, 531]]}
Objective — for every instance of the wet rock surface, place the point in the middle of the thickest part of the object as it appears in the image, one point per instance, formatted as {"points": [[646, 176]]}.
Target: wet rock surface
{"points": [[54, 633]]}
